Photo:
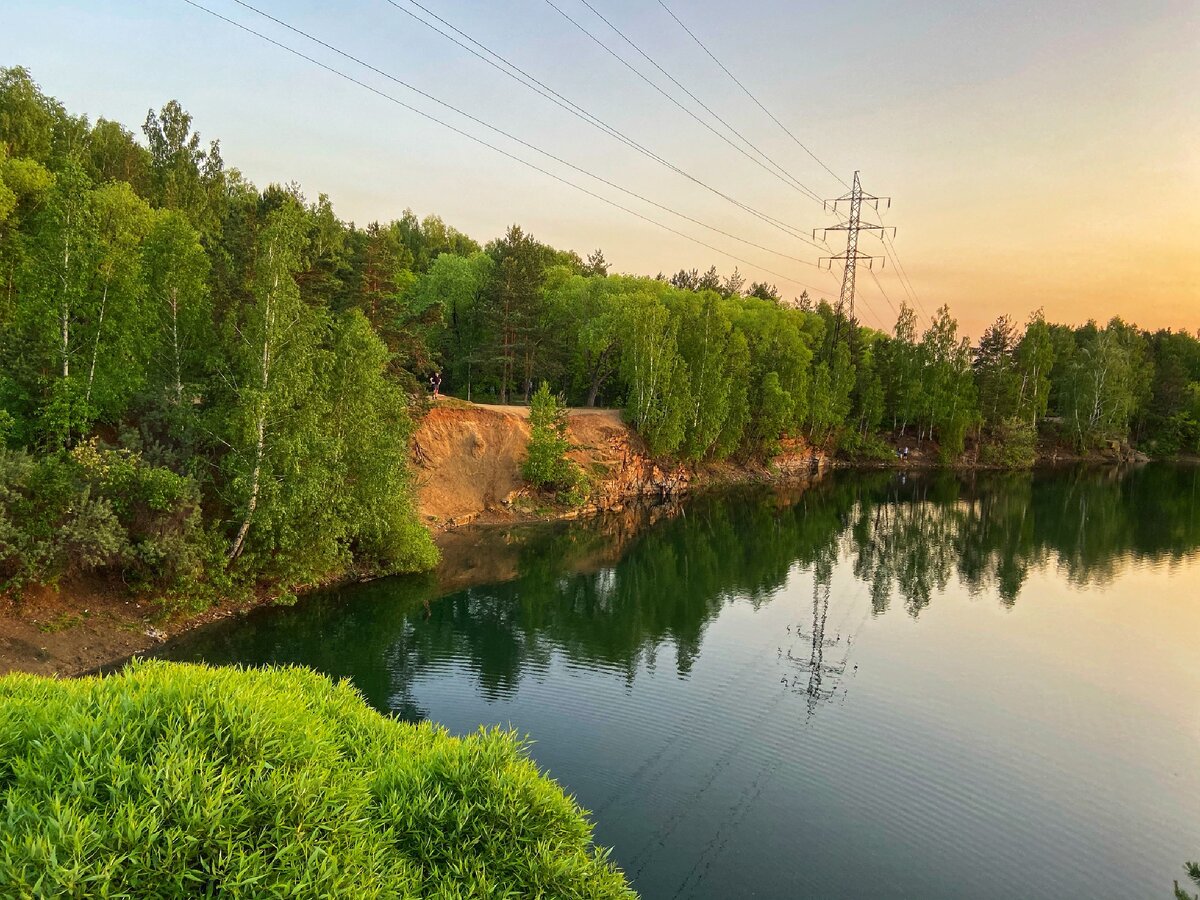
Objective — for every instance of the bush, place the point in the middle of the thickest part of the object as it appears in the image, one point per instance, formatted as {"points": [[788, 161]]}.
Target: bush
{"points": [[1011, 445], [854, 444], [546, 464], [91, 509], [169, 780]]}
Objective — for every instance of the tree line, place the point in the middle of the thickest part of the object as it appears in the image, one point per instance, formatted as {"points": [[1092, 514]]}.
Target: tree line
{"points": [[209, 383]]}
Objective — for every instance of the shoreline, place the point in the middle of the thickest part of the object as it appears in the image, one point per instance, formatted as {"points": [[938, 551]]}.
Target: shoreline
{"points": [[84, 627]]}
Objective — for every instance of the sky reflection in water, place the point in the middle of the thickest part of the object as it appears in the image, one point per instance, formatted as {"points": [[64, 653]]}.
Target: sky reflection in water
{"points": [[881, 686]]}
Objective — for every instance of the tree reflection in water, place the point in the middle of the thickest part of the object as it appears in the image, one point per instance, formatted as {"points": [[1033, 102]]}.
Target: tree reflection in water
{"points": [[615, 593]]}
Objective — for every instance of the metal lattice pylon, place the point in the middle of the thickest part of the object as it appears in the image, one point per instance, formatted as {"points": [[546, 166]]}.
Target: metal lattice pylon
{"points": [[852, 226]]}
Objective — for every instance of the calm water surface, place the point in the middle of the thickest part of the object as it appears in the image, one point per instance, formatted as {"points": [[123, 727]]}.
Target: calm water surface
{"points": [[882, 686]]}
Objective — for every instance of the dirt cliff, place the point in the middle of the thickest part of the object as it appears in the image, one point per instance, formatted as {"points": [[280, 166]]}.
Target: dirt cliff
{"points": [[467, 460]]}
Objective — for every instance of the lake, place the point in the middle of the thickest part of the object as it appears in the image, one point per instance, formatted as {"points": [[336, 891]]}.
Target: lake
{"points": [[881, 685]]}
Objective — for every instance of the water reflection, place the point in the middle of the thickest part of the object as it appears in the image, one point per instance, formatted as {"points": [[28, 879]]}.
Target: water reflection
{"points": [[877, 685], [618, 593]]}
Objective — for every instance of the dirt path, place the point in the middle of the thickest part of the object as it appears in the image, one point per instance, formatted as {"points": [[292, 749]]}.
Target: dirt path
{"points": [[613, 415]]}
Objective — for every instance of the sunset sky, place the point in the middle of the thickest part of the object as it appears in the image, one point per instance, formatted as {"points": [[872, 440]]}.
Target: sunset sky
{"points": [[1038, 154]]}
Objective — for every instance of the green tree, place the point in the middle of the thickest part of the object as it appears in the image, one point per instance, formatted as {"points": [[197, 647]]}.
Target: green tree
{"points": [[1193, 874], [57, 299], [658, 397], [183, 175], [179, 316], [546, 464], [703, 340], [996, 375], [950, 403], [515, 305], [1105, 380], [114, 340], [1034, 357], [903, 371], [273, 429], [370, 429], [457, 283]]}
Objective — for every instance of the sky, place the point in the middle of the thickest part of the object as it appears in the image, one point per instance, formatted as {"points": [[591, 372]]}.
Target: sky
{"points": [[1038, 155]]}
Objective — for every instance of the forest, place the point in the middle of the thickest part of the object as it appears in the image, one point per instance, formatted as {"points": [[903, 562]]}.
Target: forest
{"points": [[206, 386]]}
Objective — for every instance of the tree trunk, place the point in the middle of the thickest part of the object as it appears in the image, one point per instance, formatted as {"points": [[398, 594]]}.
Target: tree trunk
{"points": [[65, 306], [175, 344], [598, 377], [239, 542], [87, 395]]}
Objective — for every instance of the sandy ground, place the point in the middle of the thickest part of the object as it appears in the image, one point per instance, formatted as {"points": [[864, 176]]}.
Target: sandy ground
{"points": [[82, 626]]}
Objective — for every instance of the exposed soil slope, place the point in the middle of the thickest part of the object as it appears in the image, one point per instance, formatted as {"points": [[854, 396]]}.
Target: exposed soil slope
{"points": [[467, 460]]}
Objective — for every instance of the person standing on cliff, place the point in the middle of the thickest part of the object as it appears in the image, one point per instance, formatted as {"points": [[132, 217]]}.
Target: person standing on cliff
{"points": [[435, 382]]}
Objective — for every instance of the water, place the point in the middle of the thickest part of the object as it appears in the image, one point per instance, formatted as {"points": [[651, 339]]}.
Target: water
{"points": [[882, 686]]}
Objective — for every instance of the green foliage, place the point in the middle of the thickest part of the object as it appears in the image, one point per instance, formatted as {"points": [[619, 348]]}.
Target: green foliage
{"points": [[856, 444], [253, 343], [704, 337], [1010, 445], [1104, 375], [370, 427], [658, 396], [1193, 874], [176, 781], [96, 509], [546, 463]]}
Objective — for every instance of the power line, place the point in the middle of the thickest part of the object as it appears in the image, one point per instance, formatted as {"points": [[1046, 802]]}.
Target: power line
{"points": [[524, 78], [863, 300], [749, 94], [705, 124], [889, 246], [469, 136], [516, 139], [796, 182], [883, 293]]}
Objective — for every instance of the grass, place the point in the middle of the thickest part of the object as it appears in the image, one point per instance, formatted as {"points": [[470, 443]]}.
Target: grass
{"points": [[168, 780], [61, 622]]}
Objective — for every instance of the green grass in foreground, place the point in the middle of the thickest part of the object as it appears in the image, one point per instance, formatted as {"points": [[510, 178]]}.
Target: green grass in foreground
{"points": [[169, 780]]}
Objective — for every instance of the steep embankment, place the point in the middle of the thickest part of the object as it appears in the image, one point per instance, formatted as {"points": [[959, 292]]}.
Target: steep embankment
{"points": [[467, 459]]}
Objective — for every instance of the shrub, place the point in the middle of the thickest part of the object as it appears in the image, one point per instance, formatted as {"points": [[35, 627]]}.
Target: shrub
{"points": [[169, 780], [546, 464], [854, 444], [1011, 445], [94, 508]]}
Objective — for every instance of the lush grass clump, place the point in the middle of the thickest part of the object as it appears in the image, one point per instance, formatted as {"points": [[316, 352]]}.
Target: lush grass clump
{"points": [[169, 780]]}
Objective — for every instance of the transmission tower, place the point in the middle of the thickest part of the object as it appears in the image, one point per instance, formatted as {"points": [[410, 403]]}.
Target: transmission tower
{"points": [[852, 226]]}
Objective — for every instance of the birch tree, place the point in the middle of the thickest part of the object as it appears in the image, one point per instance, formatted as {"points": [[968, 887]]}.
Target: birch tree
{"points": [[114, 335], [55, 292], [176, 272], [273, 373], [703, 346], [654, 372]]}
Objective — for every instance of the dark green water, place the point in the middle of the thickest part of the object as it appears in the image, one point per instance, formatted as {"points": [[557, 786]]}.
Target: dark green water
{"points": [[881, 687]]}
